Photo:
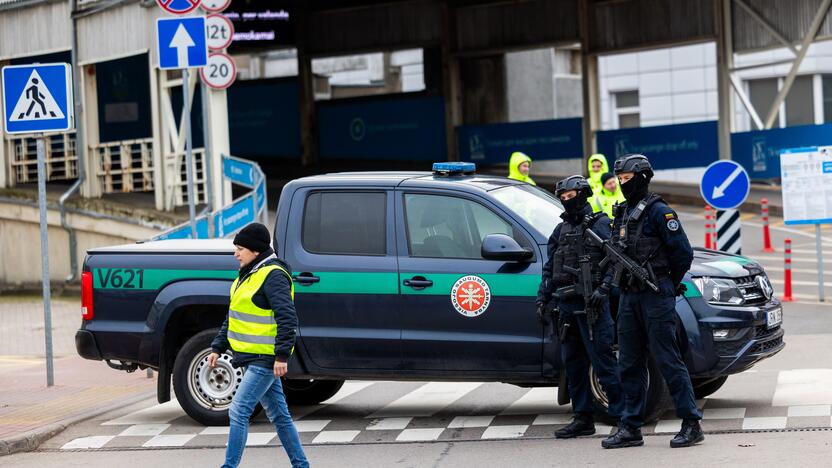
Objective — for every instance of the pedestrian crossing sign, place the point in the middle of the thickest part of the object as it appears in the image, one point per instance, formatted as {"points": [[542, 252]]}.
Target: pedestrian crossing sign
{"points": [[37, 98]]}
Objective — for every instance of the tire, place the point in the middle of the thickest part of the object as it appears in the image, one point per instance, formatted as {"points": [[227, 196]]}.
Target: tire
{"points": [[204, 393], [701, 390], [310, 391], [658, 397]]}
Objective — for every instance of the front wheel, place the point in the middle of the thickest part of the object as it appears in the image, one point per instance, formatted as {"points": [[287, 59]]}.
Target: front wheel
{"points": [[658, 397], [205, 393]]}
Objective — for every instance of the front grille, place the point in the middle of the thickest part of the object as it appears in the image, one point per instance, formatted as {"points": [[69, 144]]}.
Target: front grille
{"points": [[761, 332], [729, 348], [750, 290], [767, 345]]}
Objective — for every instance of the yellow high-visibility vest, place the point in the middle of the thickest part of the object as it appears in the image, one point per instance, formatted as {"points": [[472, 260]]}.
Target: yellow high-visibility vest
{"points": [[252, 329]]}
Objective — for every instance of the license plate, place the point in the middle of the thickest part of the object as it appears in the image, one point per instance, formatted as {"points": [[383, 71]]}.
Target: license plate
{"points": [[774, 317]]}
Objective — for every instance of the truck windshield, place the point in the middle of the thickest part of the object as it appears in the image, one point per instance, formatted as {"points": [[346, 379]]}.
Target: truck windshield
{"points": [[535, 205]]}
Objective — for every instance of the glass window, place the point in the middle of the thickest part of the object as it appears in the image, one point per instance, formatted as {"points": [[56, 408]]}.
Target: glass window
{"points": [[626, 99], [628, 120], [827, 98], [627, 109], [449, 227], [762, 93], [800, 102], [345, 223], [535, 205]]}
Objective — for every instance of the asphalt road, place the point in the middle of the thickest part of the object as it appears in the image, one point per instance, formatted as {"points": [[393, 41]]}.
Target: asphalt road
{"points": [[777, 414]]}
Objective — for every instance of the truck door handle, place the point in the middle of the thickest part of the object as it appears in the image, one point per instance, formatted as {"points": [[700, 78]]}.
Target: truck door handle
{"points": [[306, 279], [418, 282]]}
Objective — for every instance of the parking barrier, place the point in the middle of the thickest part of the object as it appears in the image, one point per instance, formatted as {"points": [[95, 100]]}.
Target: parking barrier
{"points": [[787, 272], [766, 232], [708, 227]]}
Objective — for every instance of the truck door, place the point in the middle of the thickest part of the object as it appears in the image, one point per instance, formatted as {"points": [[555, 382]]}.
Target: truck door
{"points": [[462, 313], [342, 249]]}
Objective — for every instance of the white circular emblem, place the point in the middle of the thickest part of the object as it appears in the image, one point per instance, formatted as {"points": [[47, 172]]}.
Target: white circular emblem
{"points": [[471, 296], [673, 225]]}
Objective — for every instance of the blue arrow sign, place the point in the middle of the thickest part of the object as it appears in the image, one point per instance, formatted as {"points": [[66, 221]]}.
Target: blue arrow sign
{"points": [[37, 98], [182, 42], [725, 185]]}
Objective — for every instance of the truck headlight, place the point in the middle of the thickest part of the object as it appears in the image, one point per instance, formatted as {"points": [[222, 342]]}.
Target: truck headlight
{"points": [[719, 290]]}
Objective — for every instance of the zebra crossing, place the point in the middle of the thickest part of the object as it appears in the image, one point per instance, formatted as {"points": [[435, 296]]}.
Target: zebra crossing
{"points": [[406, 412]]}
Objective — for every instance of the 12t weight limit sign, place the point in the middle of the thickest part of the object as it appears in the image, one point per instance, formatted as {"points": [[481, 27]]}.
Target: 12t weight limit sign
{"points": [[220, 72], [220, 32]]}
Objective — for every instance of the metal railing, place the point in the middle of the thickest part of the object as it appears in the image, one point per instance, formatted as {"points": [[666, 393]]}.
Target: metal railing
{"points": [[124, 166], [61, 158], [175, 166]]}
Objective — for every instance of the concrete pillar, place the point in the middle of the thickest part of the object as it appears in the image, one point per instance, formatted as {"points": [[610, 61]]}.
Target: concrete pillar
{"points": [[725, 61], [589, 84], [91, 188], [4, 161], [308, 119]]}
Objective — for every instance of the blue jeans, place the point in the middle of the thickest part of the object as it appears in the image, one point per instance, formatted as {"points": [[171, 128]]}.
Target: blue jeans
{"points": [[260, 384]]}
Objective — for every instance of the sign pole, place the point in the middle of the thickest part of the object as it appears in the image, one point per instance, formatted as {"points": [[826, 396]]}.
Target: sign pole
{"points": [[188, 151], [819, 247], [44, 258]]}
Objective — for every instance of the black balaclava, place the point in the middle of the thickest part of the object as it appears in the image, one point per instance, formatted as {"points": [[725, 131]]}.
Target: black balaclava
{"points": [[574, 205], [635, 189]]}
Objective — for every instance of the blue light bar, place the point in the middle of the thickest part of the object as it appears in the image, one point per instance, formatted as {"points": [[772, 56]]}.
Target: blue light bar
{"points": [[450, 168]]}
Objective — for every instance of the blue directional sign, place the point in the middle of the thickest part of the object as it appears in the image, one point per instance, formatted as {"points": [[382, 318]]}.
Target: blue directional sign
{"points": [[725, 185], [182, 42], [37, 98], [238, 171], [183, 231], [234, 216]]}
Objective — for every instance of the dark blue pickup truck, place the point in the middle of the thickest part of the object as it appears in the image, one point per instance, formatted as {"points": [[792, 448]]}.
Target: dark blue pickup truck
{"points": [[399, 276]]}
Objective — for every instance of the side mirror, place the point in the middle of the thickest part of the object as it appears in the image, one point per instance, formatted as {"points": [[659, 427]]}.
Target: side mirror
{"points": [[504, 248]]}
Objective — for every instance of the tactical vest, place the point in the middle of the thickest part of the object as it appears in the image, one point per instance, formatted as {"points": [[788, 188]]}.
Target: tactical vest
{"points": [[567, 254], [252, 329], [644, 250]]}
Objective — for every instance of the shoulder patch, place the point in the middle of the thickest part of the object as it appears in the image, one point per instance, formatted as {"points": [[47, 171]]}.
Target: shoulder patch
{"points": [[669, 215], [672, 225]]}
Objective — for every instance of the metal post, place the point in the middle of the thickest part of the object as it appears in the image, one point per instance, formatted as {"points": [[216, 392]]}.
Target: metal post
{"points": [[208, 159], [188, 150], [44, 260], [819, 247]]}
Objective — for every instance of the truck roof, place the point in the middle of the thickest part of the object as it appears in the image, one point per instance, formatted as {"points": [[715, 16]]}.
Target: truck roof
{"points": [[407, 179], [218, 246]]}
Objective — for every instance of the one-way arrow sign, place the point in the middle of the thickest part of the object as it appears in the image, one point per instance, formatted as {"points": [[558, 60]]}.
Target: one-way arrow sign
{"points": [[182, 42], [725, 185]]}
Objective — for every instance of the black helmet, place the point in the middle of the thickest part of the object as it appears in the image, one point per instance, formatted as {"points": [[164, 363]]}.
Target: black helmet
{"points": [[575, 182], [635, 163]]}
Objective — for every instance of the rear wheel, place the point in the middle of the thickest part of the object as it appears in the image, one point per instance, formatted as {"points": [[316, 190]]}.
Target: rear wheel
{"points": [[702, 389], [658, 397], [205, 393], [310, 391]]}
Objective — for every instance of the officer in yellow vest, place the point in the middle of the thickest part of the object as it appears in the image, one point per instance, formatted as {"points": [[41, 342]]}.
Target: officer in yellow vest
{"points": [[260, 329]]}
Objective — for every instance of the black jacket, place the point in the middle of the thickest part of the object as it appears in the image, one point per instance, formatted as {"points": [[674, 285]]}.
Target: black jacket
{"points": [[275, 294]]}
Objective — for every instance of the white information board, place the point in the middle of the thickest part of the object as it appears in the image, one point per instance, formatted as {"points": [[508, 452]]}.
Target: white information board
{"points": [[807, 185]]}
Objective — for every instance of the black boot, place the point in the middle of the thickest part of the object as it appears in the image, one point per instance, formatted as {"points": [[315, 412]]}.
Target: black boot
{"points": [[580, 426], [691, 434], [624, 437]]}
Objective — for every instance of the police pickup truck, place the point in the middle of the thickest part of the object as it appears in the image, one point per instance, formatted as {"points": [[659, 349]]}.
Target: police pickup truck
{"points": [[398, 276]]}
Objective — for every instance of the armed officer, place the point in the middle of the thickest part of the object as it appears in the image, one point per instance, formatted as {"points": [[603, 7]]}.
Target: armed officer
{"points": [[574, 283], [652, 236]]}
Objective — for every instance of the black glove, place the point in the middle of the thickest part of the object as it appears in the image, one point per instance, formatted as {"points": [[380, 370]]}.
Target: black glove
{"points": [[681, 289], [541, 311], [599, 296]]}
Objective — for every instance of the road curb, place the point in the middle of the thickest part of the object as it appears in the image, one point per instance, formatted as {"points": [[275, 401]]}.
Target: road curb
{"points": [[30, 441]]}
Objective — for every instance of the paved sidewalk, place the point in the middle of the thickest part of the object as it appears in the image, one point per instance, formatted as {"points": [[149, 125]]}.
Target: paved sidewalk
{"points": [[31, 413]]}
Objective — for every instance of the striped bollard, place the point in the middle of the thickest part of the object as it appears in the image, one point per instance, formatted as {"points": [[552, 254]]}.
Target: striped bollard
{"points": [[708, 226], [787, 272], [766, 232]]}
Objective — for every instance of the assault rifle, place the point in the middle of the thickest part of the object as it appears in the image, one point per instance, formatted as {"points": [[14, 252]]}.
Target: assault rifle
{"points": [[584, 274], [621, 262]]}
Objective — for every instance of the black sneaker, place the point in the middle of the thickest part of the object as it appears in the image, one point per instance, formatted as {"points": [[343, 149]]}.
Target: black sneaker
{"points": [[624, 437], [580, 426], [690, 434]]}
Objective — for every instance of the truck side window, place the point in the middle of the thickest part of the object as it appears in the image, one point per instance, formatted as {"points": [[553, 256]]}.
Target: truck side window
{"points": [[345, 223], [450, 227]]}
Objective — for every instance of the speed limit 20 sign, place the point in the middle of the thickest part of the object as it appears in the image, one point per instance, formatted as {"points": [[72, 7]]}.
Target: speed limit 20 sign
{"points": [[220, 32], [220, 72]]}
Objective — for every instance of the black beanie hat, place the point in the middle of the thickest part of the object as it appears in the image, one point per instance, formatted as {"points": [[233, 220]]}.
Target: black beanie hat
{"points": [[605, 177], [254, 237]]}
